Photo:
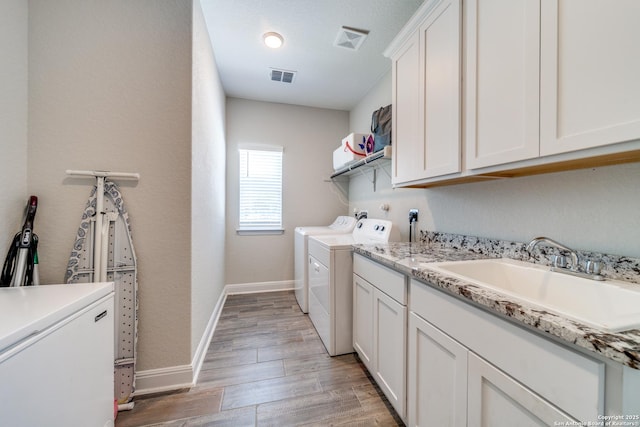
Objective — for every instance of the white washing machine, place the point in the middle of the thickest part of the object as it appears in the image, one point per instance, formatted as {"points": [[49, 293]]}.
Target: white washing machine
{"points": [[330, 281], [342, 225]]}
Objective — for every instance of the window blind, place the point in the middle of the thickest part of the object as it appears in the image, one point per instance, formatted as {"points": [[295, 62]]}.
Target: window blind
{"points": [[260, 189]]}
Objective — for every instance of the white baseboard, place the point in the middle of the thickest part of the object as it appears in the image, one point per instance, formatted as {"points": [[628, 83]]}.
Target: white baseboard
{"points": [[164, 379], [203, 346], [185, 376], [249, 288]]}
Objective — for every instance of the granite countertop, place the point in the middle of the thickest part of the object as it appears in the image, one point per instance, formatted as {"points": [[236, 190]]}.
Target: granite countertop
{"points": [[412, 259]]}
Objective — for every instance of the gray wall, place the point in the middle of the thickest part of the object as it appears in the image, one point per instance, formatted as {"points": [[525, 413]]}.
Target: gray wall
{"points": [[207, 183], [594, 209], [309, 136], [110, 88], [13, 119]]}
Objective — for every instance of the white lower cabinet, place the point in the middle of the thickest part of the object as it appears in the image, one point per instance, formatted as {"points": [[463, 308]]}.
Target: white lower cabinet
{"points": [[380, 327], [442, 361], [437, 392], [362, 320], [468, 367], [389, 344], [451, 386], [497, 400]]}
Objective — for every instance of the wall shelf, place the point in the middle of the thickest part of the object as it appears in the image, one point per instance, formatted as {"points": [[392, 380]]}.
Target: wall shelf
{"points": [[368, 162], [372, 162]]}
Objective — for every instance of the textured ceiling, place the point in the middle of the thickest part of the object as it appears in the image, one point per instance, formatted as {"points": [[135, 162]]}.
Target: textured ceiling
{"points": [[327, 76]]}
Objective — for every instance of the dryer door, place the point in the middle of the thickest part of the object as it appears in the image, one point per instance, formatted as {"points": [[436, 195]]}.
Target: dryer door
{"points": [[319, 300]]}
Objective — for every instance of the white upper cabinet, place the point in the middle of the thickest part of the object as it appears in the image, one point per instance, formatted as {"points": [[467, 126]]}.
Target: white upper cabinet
{"points": [[502, 50], [407, 146], [440, 98], [426, 61], [545, 77], [547, 85], [590, 74]]}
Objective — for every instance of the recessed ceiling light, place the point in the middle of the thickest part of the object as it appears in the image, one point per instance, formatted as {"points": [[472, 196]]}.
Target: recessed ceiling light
{"points": [[273, 40]]}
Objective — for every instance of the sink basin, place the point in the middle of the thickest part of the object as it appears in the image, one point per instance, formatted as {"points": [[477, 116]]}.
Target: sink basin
{"points": [[612, 306]]}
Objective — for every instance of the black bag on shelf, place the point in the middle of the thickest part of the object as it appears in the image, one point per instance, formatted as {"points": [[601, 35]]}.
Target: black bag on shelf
{"points": [[381, 127]]}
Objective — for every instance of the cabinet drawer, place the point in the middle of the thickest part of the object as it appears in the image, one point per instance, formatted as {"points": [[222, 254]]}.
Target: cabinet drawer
{"points": [[387, 280], [568, 379]]}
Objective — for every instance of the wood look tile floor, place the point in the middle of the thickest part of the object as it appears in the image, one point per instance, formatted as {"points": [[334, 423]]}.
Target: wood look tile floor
{"points": [[266, 366]]}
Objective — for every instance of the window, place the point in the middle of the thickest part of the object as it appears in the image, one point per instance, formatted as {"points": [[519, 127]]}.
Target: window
{"points": [[260, 190]]}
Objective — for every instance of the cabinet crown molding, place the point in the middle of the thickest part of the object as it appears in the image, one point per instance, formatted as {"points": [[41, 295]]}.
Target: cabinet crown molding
{"points": [[410, 27]]}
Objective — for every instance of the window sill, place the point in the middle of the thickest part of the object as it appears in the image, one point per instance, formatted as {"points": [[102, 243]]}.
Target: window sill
{"points": [[258, 231]]}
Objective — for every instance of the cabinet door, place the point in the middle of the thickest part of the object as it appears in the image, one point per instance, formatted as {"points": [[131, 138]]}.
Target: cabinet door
{"points": [[440, 57], [363, 320], [437, 372], [502, 48], [590, 90], [389, 340], [407, 135], [497, 400]]}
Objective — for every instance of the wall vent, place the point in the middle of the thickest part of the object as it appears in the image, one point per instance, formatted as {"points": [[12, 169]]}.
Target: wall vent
{"points": [[350, 38], [284, 76]]}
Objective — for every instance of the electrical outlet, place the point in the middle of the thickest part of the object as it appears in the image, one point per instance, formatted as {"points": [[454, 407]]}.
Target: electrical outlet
{"points": [[413, 215]]}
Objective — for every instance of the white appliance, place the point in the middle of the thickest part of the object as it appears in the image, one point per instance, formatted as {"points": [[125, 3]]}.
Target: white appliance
{"points": [[342, 225], [56, 355], [330, 281]]}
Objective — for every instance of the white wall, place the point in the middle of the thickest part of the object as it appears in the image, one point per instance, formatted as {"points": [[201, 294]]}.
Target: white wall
{"points": [[378, 96], [592, 209], [309, 136], [207, 182], [110, 86], [13, 120]]}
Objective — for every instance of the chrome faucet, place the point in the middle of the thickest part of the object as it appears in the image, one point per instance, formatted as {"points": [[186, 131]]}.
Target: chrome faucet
{"points": [[550, 242], [591, 269]]}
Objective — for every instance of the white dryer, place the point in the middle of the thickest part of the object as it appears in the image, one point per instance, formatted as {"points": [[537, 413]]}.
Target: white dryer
{"points": [[342, 225], [330, 281]]}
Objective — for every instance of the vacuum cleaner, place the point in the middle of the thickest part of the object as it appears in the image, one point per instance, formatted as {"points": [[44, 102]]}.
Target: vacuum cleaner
{"points": [[21, 264]]}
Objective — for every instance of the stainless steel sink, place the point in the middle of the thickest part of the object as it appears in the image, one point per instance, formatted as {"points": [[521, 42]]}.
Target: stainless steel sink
{"points": [[612, 306]]}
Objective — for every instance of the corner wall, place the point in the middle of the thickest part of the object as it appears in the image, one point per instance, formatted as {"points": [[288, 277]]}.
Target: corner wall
{"points": [[208, 186], [378, 96], [110, 86]]}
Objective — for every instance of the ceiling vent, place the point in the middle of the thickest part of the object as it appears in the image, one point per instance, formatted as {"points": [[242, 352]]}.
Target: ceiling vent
{"points": [[350, 38], [284, 76]]}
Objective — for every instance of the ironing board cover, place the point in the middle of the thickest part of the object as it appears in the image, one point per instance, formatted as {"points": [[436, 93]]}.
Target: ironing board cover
{"points": [[122, 270]]}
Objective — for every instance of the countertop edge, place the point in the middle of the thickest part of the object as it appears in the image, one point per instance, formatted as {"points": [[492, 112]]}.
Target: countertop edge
{"points": [[621, 347]]}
